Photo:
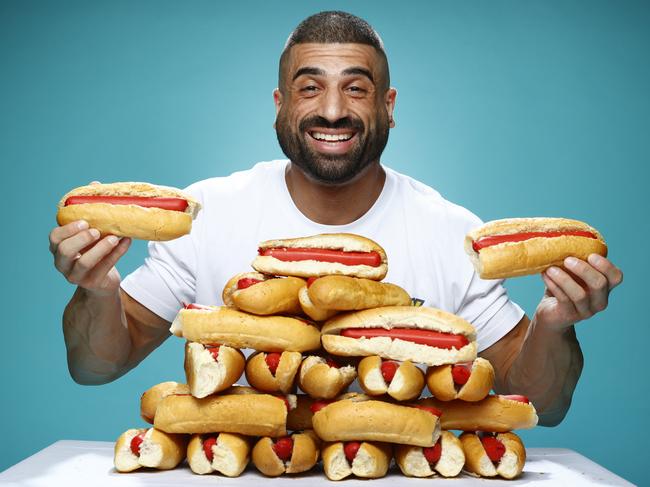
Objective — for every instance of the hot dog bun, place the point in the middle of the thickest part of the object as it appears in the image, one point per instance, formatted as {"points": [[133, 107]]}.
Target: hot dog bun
{"points": [[151, 397], [492, 414], [416, 317], [271, 296], [220, 324], [534, 255], [344, 293], [158, 450], [130, 220], [441, 383], [246, 414], [205, 375], [230, 454], [478, 463], [356, 419], [303, 457], [371, 461], [346, 242], [321, 381], [413, 463], [310, 309], [260, 376], [407, 384]]}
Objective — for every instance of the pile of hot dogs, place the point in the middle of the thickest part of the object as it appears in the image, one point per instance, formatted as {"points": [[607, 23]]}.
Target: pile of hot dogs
{"points": [[318, 317]]}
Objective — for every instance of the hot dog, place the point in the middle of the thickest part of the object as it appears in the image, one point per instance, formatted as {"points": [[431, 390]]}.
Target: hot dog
{"points": [[310, 309], [136, 210], [488, 456], [151, 397], [344, 293], [402, 381], [220, 324], [359, 419], [289, 454], [150, 447], [423, 335], [493, 414], [211, 369], [246, 414], [468, 382], [520, 246], [362, 459], [273, 372], [321, 255], [260, 294], [226, 453], [446, 457], [324, 378]]}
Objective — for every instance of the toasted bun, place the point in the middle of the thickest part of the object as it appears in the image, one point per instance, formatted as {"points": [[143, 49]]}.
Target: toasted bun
{"points": [[299, 418], [344, 293], [532, 256], [158, 450], [246, 414], [220, 324], [321, 381], [356, 420], [307, 268], [478, 463], [151, 398], [399, 317], [412, 462], [441, 383], [274, 295], [493, 414], [130, 220], [259, 375], [371, 461], [407, 384], [310, 309], [229, 455], [205, 375], [303, 457]]}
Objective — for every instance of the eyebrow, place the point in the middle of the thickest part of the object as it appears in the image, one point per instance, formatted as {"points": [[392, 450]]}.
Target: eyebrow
{"points": [[309, 70]]}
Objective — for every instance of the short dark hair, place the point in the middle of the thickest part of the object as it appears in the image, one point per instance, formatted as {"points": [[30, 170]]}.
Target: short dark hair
{"points": [[332, 27]]}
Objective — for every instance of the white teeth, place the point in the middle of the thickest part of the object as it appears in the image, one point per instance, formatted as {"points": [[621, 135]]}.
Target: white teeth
{"points": [[331, 137]]}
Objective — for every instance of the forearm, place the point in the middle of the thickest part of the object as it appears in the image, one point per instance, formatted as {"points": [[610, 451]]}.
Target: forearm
{"points": [[546, 370], [96, 336]]}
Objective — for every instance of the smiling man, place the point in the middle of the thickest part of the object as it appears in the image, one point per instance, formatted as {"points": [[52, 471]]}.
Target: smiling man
{"points": [[334, 107]]}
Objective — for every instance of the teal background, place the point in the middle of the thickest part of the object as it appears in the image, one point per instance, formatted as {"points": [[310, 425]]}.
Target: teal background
{"points": [[517, 108]]}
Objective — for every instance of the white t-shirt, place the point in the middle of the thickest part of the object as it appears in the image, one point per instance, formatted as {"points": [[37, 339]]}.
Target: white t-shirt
{"points": [[421, 232]]}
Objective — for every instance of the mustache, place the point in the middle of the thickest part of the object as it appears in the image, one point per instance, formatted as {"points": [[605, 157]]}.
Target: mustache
{"points": [[341, 123]]}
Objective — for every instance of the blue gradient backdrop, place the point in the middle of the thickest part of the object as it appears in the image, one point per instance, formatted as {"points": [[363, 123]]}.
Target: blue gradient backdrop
{"points": [[517, 108]]}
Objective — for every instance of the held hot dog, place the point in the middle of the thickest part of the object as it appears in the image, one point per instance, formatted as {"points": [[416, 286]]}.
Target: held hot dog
{"points": [[260, 294], [150, 447], [465, 381], [423, 335], [289, 454], [320, 255], [401, 381], [488, 455], [363, 459], [446, 458], [137, 210], [226, 453], [520, 246]]}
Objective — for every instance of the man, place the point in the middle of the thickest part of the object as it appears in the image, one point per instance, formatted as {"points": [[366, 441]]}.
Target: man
{"points": [[334, 109]]}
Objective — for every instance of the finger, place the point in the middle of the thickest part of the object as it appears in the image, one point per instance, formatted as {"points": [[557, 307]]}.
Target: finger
{"points": [[575, 292], [555, 290], [69, 249], [596, 282], [612, 273], [66, 231], [98, 274], [95, 182], [85, 264]]}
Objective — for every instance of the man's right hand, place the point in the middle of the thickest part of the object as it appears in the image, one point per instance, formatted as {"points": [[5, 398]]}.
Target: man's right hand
{"points": [[87, 260]]}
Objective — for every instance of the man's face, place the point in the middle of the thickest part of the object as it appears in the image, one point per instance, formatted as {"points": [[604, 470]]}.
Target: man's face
{"points": [[333, 110]]}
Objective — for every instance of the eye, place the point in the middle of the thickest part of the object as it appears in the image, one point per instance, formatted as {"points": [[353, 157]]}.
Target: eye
{"points": [[309, 89], [356, 90]]}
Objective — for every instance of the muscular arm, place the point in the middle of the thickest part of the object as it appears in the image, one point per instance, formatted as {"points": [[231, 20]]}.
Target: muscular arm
{"points": [[108, 335], [540, 363]]}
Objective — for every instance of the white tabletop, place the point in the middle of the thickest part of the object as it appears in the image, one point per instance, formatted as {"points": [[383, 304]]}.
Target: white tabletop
{"points": [[90, 464]]}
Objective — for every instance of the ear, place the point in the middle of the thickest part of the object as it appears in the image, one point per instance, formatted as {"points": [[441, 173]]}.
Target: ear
{"points": [[391, 94], [277, 101]]}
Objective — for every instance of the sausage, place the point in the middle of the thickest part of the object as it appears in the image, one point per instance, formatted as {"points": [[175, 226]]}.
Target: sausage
{"points": [[488, 241], [423, 337], [285, 254], [174, 204]]}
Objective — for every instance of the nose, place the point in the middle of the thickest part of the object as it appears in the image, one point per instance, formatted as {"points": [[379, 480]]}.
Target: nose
{"points": [[333, 106]]}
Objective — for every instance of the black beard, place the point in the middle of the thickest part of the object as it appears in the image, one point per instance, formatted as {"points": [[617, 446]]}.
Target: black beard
{"points": [[332, 169]]}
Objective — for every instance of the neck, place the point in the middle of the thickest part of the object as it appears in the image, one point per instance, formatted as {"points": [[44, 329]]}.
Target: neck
{"points": [[335, 204]]}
